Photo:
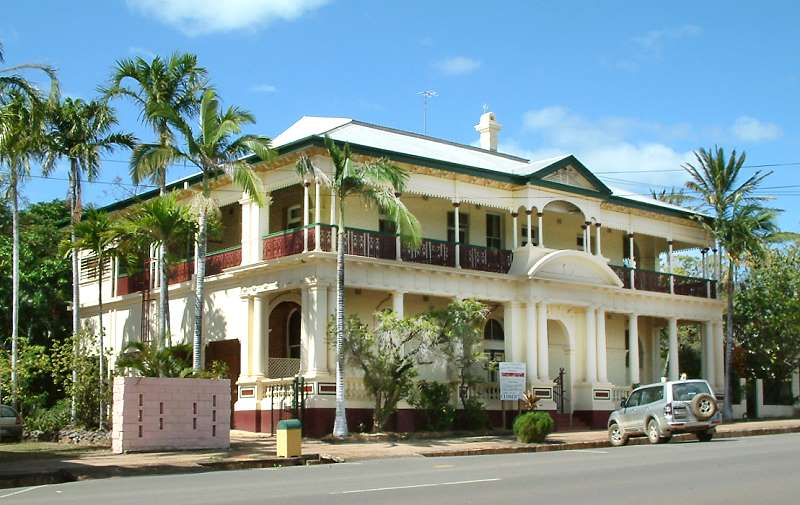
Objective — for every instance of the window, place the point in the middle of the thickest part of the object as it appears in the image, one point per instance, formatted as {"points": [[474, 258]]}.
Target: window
{"points": [[493, 330], [494, 234], [293, 334], [685, 391], [89, 266], [652, 394], [635, 399], [294, 217], [493, 358], [386, 225], [463, 227], [524, 236], [6, 411]]}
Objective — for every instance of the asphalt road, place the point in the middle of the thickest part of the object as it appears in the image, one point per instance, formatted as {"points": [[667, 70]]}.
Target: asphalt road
{"points": [[755, 470]]}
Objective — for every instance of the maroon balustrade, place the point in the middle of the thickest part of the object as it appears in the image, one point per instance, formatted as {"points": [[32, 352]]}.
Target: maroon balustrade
{"points": [[431, 252], [370, 244], [326, 234], [127, 284], [689, 286], [647, 280], [624, 274], [485, 259], [283, 243], [181, 272], [216, 262]]}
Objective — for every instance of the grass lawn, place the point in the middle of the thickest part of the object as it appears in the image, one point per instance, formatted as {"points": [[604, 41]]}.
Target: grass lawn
{"points": [[35, 450]]}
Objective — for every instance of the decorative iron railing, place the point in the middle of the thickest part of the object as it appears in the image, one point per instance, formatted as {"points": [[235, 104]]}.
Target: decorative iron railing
{"points": [[370, 244], [279, 368], [283, 243], [431, 252], [648, 280], [486, 259], [689, 286], [219, 260]]}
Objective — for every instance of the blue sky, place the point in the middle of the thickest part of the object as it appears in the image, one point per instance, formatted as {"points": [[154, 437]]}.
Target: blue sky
{"points": [[630, 88]]}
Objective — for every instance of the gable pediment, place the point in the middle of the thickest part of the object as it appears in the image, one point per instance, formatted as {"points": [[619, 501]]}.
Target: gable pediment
{"points": [[570, 176], [569, 171]]}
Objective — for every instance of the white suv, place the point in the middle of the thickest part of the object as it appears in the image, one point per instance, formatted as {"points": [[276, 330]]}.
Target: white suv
{"points": [[660, 410]]}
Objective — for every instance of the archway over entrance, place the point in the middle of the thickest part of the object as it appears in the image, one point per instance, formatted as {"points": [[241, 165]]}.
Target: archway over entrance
{"points": [[284, 340], [559, 357]]}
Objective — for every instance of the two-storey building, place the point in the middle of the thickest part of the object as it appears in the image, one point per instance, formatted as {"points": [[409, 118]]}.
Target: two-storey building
{"points": [[570, 268]]}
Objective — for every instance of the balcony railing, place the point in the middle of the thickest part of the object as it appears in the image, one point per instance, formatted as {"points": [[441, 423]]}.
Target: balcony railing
{"points": [[219, 260], [648, 280], [279, 368], [486, 259], [283, 243], [370, 244], [431, 252]]}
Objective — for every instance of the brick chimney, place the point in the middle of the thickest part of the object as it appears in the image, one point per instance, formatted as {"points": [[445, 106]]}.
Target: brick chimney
{"points": [[488, 128]]}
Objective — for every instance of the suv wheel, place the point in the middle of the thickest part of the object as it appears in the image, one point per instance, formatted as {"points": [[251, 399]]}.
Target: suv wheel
{"points": [[616, 436], [653, 435], [705, 436]]}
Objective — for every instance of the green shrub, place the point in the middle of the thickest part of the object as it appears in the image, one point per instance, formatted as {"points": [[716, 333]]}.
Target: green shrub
{"points": [[533, 427], [433, 398], [50, 420], [475, 416]]}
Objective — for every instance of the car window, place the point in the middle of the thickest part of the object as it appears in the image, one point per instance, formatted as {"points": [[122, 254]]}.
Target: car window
{"points": [[685, 391], [635, 399], [653, 394], [7, 412]]}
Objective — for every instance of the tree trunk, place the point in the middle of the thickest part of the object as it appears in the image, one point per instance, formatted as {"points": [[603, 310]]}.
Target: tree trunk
{"points": [[727, 412], [200, 273], [163, 293], [340, 422], [377, 415], [14, 286], [75, 217], [101, 423]]}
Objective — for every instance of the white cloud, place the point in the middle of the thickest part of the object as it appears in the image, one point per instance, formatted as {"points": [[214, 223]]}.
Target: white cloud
{"points": [[606, 145], [750, 129], [263, 88], [458, 65], [654, 40], [196, 17]]}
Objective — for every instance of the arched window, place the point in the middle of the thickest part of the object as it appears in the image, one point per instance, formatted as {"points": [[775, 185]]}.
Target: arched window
{"points": [[293, 334], [493, 330]]}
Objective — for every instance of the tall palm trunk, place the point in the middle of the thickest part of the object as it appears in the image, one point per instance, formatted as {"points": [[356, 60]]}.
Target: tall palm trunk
{"points": [[727, 412], [101, 422], [75, 217], [200, 273], [340, 422], [163, 292], [14, 285]]}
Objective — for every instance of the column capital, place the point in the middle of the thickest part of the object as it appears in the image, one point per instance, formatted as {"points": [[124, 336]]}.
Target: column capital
{"points": [[456, 204], [598, 225], [306, 183], [528, 212], [514, 214], [539, 214]]}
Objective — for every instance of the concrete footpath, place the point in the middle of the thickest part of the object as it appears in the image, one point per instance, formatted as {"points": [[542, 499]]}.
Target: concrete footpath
{"points": [[254, 450]]}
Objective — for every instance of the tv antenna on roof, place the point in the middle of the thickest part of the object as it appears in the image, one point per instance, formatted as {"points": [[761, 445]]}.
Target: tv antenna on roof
{"points": [[425, 95]]}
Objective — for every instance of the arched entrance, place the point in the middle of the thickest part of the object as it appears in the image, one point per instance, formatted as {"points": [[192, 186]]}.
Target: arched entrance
{"points": [[284, 340], [560, 357], [562, 225]]}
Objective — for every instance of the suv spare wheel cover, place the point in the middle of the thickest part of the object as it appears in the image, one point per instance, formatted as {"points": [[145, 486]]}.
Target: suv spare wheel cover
{"points": [[704, 406]]}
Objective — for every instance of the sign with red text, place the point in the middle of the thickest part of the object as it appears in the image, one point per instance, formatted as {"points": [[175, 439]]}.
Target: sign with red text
{"points": [[512, 380]]}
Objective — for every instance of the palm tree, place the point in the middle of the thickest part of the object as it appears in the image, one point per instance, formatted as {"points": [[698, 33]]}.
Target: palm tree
{"points": [[674, 196], [378, 183], [740, 224], [80, 131], [215, 150], [11, 79], [21, 142], [176, 83], [166, 223], [94, 234]]}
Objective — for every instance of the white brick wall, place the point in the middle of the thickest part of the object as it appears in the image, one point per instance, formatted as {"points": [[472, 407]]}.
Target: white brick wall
{"points": [[151, 414]]}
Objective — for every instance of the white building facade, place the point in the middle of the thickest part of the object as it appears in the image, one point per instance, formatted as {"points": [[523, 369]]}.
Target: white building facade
{"points": [[568, 267]]}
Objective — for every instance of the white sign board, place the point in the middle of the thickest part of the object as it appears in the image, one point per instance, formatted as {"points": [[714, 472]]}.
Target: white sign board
{"points": [[512, 380]]}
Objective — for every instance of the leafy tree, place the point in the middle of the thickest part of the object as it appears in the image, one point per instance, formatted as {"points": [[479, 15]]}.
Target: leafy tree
{"points": [[461, 339], [377, 183], [387, 356], [94, 234], [175, 82], [11, 79], [80, 132], [215, 150], [740, 224], [768, 315]]}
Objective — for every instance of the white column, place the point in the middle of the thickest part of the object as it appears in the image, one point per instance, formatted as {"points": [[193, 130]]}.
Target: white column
{"points": [[632, 260], [587, 237], [598, 250], [543, 344], [602, 353], [531, 357], [708, 352], [397, 303], [513, 332], [633, 349], [674, 366], [316, 311], [514, 227], [258, 337], [247, 230], [457, 225], [669, 265], [317, 217], [334, 241], [305, 216], [719, 355], [244, 337], [540, 217], [656, 355], [530, 230], [591, 345]]}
